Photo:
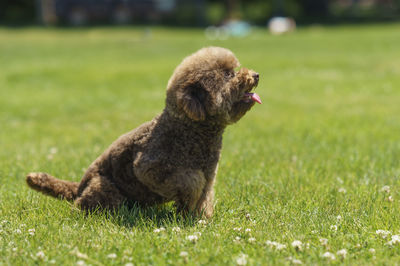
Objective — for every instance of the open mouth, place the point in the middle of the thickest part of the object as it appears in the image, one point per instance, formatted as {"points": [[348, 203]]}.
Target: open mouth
{"points": [[252, 96]]}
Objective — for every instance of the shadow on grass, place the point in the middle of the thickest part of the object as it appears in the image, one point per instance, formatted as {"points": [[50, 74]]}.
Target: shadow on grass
{"points": [[138, 216]]}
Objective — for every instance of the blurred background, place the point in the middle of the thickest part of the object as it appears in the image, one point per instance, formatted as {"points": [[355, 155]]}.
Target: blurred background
{"points": [[193, 12]]}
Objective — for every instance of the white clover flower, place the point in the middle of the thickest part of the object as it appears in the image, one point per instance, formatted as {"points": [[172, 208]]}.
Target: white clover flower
{"points": [[247, 216], [40, 255], [280, 246], [176, 229], [53, 150], [297, 262], [342, 253], [112, 256], [328, 255], [80, 263], [129, 264], [197, 233], [31, 231], [183, 254], [192, 238], [14, 249], [252, 240], [276, 245], [238, 229], [202, 222], [294, 261], [77, 253], [395, 239], [242, 259], [298, 245], [342, 190], [52, 261], [248, 230], [158, 230], [81, 255], [18, 231], [390, 199], [371, 250], [382, 233], [323, 241], [339, 218], [333, 227], [385, 189]]}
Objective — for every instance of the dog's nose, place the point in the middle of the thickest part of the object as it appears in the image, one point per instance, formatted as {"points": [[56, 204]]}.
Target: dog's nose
{"points": [[256, 76]]}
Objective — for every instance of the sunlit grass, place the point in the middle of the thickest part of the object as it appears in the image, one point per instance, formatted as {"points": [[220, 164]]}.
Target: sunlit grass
{"points": [[309, 164]]}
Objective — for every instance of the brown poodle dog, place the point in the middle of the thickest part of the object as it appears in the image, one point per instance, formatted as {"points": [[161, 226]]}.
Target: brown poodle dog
{"points": [[175, 156]]}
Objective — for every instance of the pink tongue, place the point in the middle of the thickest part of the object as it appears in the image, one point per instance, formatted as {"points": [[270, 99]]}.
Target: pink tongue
{"points": [[255, 97]]}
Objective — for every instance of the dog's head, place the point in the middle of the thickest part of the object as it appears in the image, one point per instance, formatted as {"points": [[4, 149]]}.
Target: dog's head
{"points": [[206, 87]]}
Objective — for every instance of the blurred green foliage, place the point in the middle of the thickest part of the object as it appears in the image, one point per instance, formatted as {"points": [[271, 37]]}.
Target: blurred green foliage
{"points": [[17, 11], [212, 12]]}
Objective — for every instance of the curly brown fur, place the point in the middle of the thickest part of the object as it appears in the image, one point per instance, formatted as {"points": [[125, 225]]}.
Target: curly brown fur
{"points": [[174, 157]]}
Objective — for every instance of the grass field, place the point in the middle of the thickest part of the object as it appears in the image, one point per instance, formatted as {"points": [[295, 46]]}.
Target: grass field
{"points": [[310, 164]]}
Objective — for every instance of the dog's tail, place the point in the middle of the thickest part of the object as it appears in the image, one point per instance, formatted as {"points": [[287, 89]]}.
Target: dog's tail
{"points": [[52, 186]]}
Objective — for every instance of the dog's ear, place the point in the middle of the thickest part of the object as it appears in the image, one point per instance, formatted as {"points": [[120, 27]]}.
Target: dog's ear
{"points": [[191, 99]]}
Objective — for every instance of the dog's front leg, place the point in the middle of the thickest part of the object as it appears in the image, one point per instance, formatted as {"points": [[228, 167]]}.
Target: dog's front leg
{"points": [[205, 205], [184, 186]]}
